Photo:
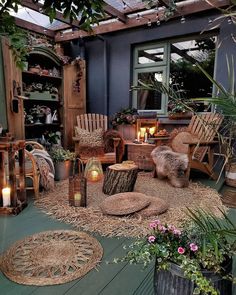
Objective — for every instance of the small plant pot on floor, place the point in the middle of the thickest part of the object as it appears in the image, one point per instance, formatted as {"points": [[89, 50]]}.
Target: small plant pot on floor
{"points": [[62, 170]]}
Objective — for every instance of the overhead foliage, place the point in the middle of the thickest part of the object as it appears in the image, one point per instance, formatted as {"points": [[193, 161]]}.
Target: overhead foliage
{"points": [[87, 12]]}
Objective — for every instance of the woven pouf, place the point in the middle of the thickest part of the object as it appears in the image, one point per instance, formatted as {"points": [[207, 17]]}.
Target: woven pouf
{"points": [[156, 207], [51, 257], [124, 203]]}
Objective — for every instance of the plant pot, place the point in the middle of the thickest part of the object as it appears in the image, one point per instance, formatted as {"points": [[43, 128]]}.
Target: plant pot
{"points": [[62, 170], [128, 132], [180, 116], [230, 174], [173, 282]]}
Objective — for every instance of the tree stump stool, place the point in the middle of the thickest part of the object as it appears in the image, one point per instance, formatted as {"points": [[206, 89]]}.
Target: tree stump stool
{"points": [[120, 178]]}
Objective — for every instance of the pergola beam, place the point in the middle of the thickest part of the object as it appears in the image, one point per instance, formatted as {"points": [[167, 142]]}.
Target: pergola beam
{"points": [[183, 8], [59, 16], [33, 27], [114, 12]]}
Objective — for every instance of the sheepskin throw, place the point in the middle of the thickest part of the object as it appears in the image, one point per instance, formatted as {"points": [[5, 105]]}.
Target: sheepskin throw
{"points": [[171, 165]]}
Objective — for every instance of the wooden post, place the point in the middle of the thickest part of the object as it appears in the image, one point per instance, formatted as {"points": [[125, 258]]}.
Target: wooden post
{"points": [[120, 178]]}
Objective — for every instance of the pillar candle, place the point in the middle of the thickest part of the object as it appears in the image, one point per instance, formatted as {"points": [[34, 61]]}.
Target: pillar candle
{"points": [[145, 137], [139, 136], [6, 196]]}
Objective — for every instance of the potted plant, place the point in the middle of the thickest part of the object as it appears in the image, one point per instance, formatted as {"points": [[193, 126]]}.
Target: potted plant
{"points": [[124, 121], [62, 160], [194, 260]]}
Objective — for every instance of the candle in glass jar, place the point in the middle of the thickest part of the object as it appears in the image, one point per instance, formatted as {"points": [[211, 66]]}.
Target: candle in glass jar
{"points": [[6, 196], [142, 132], [152, 130], [94, 175]]}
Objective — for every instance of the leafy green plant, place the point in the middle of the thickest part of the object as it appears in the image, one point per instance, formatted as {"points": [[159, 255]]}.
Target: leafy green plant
{"points": [[206, 242], [59, 154], [89, 11], [177, 102], [225, 102]]}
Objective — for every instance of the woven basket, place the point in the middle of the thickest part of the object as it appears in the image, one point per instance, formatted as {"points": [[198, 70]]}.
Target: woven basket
{"points": [[230, 174], [78, 187]]}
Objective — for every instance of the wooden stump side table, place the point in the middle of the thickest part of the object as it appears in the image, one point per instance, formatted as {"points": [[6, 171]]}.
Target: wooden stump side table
{"points": [[120, 178]]}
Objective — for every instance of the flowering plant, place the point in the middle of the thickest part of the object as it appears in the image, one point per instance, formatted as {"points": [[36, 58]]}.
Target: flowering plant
{"points": [[125, 116], [206, 243]]}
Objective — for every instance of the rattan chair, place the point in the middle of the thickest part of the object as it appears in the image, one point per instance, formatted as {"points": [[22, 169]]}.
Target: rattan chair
{"points": [[31, 168]]}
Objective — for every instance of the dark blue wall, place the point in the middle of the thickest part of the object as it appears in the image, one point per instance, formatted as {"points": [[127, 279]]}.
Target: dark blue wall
{"points": [[108, 96]]}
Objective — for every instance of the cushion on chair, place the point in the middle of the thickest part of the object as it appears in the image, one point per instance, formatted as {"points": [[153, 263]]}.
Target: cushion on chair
{"points": [[85, 137], [90, 143]]}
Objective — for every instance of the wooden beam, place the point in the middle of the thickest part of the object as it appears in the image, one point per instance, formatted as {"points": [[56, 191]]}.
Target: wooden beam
{"points": [[183, 54], [183, 8], [38, 7], [115, 13], [33, 27]]}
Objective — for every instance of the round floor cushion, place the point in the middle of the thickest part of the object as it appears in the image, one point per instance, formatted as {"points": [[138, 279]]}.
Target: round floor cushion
{"points": [[124, 203], [157, 206]]}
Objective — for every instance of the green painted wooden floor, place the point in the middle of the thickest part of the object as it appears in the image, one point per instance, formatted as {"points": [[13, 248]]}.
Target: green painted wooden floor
{"points": [[108, 279]]}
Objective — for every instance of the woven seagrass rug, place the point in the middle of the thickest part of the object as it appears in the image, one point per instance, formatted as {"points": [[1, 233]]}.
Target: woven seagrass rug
{"points": [[51, 258], [91, 219]]}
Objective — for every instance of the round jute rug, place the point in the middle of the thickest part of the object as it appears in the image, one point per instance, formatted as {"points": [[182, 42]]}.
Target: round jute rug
{"points": [[51, 258], [91, 219]]}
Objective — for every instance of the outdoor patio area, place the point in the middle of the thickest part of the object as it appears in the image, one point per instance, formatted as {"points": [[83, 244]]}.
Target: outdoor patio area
{"points": [[117, 147]]}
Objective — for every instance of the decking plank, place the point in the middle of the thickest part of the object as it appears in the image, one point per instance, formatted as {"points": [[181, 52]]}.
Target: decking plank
{"points": [[131, 276]]}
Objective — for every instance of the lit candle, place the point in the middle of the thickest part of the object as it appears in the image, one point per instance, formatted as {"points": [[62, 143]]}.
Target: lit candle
{"points": [[6, 196], [77, 199], [145, 137], [94, 175], [152, 130], [139, 136], [142, 132]]}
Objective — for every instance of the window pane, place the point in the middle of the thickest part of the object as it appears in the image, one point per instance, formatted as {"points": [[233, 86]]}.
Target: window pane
{"points": [[149, 100], [148, 56], [184, 75]]}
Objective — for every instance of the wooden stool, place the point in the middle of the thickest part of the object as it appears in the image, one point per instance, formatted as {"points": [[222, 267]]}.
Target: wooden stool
{"points": [[120, 178]]}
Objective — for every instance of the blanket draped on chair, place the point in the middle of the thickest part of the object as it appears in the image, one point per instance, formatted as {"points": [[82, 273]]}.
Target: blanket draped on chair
{"points": [[46, 168]]}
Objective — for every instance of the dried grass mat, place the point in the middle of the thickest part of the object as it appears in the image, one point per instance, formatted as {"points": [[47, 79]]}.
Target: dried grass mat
{"points": [[51, 258], [91, 219]]}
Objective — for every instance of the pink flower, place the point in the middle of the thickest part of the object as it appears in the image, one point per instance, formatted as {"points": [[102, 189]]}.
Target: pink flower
{"points": [[193, 247], [181, 250], [177, 232], [151, 239], [152, 225], [157, 221]]}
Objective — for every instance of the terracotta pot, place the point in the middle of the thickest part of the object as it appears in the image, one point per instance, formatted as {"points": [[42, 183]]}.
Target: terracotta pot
{"points": [[180, 116], [128, 132]]}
